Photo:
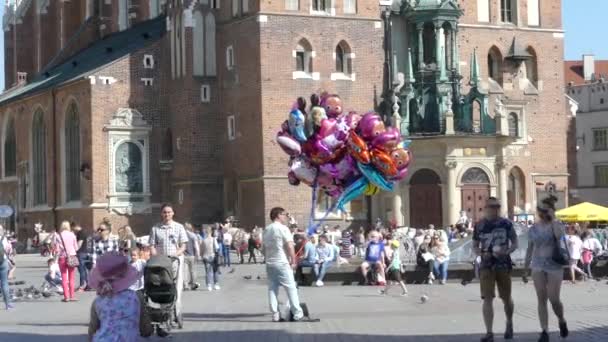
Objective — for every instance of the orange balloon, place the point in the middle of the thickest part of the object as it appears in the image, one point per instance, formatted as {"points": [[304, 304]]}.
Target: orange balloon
{"points": [[358, 148], [401, 158], [383, 162]]}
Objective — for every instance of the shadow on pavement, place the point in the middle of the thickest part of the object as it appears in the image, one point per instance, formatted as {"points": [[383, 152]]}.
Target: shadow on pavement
{"points": [[597, 334], [224, 317]]}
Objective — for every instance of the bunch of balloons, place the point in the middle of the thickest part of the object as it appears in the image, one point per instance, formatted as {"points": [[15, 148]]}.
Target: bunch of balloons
{"points": [[345, 155]]}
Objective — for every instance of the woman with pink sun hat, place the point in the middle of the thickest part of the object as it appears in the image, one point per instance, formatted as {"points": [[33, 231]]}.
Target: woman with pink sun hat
{"points": [[117, 313]]}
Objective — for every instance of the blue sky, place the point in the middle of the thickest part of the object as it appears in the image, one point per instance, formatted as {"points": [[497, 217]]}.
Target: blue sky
{"points": [[582, 21]]}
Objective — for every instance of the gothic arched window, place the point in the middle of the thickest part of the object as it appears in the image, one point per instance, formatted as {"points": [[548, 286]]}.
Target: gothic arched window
{"points": [[495, 65], [72, 154], [513, 125], [343, 58], [39, 158], [304, 57], [10, 148], [210, 63], [198, 45]]}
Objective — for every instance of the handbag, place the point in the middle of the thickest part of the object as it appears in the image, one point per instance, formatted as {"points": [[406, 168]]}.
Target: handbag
{"points": [[72, 260], [561, 255]]}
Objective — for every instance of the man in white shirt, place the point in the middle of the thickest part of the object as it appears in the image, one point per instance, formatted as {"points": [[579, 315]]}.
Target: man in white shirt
{"points": [[169, 238], [278, 250]]}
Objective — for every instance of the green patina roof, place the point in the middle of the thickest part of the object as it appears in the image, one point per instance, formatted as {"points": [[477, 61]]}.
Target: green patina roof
{"points": [[102, 53]]}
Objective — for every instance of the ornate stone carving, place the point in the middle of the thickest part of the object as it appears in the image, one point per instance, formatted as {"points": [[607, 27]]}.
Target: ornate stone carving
{"points": [[128, 117], [501, 164], [129, 168], [451, 164]]}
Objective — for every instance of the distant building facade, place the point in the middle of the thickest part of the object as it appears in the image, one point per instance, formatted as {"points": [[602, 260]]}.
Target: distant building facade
{"points": [[115, 106], [587, 92]]}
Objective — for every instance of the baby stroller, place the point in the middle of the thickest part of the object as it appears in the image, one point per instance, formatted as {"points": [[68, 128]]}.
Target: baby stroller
{"points": [[160, 291]]}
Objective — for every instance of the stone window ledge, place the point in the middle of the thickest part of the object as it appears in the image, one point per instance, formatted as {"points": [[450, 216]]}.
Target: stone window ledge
{"points": [[9, 179], [305, 75], [340, 76], [70, 205]]}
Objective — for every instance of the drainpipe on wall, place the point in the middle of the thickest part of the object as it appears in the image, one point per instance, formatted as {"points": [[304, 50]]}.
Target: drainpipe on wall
{"points": [[55, 173]]}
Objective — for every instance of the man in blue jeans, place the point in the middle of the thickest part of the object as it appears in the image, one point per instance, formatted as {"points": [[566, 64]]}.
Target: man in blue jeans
{"points": [[326, 255], [278, 249]]}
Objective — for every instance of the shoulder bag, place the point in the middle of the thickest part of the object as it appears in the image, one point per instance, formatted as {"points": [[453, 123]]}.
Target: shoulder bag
{"points": [[72, 260], [561, 255]]}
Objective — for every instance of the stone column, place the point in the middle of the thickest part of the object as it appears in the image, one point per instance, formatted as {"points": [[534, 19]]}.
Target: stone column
{"points": [[451, 192], [438, 45], [501, 166], [405, 203], [397, 212], [420, 46]]}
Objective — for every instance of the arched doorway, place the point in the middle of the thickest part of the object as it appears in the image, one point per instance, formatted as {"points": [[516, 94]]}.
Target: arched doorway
{"points": [[475, 192], [516, 193], [425, 199]]}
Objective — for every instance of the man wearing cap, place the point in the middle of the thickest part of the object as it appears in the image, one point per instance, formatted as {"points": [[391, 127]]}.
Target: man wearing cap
{"points": [[494, 239], [169, 238]]}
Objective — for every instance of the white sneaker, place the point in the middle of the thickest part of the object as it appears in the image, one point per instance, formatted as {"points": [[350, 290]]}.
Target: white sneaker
{"points": [[430, 281], [209, 288], [319, 283], [217, 287], [276, 317]]}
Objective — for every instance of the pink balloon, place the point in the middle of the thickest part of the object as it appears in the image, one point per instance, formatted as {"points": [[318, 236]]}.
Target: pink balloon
{"points": [[388, 139], [401, 174], [292, 178], [327, 184], [352, 119], [328, 126], [371, 126], [302, 169]]}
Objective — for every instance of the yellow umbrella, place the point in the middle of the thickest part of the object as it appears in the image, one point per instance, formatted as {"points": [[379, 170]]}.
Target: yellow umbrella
{"points": [[583, 212]]}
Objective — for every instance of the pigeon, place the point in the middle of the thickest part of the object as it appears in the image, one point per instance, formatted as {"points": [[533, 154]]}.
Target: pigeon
{"points": [[247, 277], [424, 298]]}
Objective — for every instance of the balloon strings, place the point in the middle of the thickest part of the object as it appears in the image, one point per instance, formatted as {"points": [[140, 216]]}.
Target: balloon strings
{"points": [[312, 227], [313, 205]]}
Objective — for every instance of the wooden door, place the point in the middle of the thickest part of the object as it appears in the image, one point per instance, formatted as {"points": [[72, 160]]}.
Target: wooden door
{"points": [[425, 205], [474, 199]]}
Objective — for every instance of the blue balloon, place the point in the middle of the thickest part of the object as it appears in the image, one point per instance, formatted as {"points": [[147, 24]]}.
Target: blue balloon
{"points": [[374, 177], [296, 125], [353, 191]]}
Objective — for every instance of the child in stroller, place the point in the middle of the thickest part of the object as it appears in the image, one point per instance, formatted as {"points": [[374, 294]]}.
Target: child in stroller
{"points": [[160, 293]]}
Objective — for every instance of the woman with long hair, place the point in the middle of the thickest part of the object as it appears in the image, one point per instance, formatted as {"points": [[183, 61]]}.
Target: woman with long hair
{"points": [[543, 239], [441, 252], [128, 240], [66, 246]]}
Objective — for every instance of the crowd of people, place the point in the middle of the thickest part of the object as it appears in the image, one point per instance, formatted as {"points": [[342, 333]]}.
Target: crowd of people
{"points": [[113, 265]]}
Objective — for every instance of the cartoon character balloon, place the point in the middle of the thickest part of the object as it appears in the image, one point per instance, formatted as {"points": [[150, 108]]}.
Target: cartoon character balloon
{"points": [[344, 155]]}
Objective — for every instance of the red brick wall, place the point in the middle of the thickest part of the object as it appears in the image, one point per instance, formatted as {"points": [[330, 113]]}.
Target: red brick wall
{"points": [[547, 152]]}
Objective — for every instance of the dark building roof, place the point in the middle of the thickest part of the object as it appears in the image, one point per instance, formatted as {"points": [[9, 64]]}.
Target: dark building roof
{"points": [[573, 71], [101, 53]]}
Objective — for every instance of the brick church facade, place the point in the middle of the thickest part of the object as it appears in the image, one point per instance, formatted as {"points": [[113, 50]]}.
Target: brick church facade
{"points": [[113, 107]]}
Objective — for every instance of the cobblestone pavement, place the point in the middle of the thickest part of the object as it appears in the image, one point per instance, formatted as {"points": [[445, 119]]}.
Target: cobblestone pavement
{"points": [[239, 313]]}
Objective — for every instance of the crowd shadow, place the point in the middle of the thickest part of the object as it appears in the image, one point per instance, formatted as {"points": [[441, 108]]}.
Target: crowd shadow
{"points": [[226, 317], [596, 334]]}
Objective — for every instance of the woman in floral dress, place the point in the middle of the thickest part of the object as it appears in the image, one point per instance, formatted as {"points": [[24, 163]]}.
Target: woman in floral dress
{"points": [[118, 314]]}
